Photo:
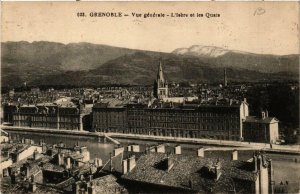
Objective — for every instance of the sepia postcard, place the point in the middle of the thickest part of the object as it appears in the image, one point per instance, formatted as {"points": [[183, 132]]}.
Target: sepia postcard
{"points": [[149, 97]]}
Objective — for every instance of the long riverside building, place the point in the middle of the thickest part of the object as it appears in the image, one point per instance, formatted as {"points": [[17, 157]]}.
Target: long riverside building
{"points": [[223, 122], [45, 116]]}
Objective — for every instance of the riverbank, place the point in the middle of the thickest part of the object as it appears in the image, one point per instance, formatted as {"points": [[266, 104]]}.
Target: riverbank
{"points": [[281, 149]]}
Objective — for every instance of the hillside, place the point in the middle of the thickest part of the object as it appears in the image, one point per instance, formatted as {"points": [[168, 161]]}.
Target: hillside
{"points": [[24, 61], [80, 64], [139, 69]]}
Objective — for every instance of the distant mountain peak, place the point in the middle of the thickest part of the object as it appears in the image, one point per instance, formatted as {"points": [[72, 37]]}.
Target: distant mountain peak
{"points": [[202, 51]]}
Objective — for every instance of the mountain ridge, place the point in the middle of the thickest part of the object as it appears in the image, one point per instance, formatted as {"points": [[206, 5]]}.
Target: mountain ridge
{"points": [[41, 61]]}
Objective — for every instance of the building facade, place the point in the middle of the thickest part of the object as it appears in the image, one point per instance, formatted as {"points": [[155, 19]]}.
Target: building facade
{"points": [[46, 116], [108, 119], [223, 122], [263, 129]]}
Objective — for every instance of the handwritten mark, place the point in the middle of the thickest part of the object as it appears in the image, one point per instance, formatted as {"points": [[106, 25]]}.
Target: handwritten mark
{"points": [[259, 11]]}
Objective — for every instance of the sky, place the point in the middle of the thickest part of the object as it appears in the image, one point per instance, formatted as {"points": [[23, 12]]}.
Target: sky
{"points": [[258, 27]]}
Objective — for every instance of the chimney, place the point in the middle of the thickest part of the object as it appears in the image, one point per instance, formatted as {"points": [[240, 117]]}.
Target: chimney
{"points": [[68, 165], [259, 162], [217, 169], [5, 172], [27, 168], [136, 148], [90, 178], [91, 189], [160, 148], [60, 158], [201, 152], [110, 162], [124, 166], [131, 163], [267, 113], [77, 188], [177, 149], [263, 115], [230, 102], [152, 149], [83, 149], [118, 151], [32, 187], [35, 154], [170, 163], [255, 163], [44, 148], [98, 162], [234, 155], [81, 177]]}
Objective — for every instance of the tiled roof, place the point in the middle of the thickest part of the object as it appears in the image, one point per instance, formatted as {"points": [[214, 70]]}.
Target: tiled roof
{"points": [[107, 184], [22, 187], [66, 184], [52, 167], [34, 168], [100, 105], [189, 169], [47, 190]]}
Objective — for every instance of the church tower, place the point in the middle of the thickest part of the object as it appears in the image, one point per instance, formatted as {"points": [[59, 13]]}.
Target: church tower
{"points": [[160, 85]]}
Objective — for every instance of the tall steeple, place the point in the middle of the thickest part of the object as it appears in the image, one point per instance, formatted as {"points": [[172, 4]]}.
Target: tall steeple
{"points": [[160, 85], [160, 73]]}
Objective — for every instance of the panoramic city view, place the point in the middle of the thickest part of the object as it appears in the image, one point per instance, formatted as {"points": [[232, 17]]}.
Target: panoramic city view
{"points": [[128, 104]]}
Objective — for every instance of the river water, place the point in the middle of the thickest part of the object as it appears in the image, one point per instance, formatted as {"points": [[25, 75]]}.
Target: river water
{"points": [[286, 167]]}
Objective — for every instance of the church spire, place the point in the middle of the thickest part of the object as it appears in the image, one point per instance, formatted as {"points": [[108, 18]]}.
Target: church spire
{"points": [[160, 73], [160, 85]]}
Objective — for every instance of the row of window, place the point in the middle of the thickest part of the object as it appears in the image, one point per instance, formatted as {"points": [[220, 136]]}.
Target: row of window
{"points": [[163, 117], [133, 112], [45, 119], [193, 119], [195, 126], [194, 113]]}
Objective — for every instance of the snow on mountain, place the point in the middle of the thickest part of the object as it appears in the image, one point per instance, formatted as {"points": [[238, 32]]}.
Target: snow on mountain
{"points": [[201, 51]]}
